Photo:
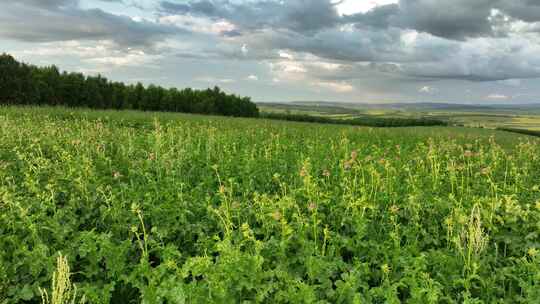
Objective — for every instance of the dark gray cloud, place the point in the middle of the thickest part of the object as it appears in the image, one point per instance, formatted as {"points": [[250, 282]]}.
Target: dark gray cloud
{"points": [[306, 16], [61, 20], [47, 3], [423, 57], [494, 69], [454, 39], [526, 10], [231, 33], [456, 19], [380, 17], [353, 46]]}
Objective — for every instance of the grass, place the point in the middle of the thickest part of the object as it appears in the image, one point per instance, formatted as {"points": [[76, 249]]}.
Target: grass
{"points": [[63, 292], [173, 208]]}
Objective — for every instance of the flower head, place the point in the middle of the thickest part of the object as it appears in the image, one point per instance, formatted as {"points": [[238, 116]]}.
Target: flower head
{"points": [[354, 155], [276, 215], [386, 268]]}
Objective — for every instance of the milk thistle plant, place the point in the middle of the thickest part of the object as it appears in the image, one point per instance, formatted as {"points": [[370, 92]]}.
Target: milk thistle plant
{"points": [[172, 208]]}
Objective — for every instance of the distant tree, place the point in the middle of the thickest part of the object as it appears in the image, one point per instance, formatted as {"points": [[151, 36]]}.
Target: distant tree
{"points": [[9, 79], [27, 84]]}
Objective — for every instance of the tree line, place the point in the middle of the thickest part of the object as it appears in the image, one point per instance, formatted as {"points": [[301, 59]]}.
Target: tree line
{"points": [[24, 84], [360, 121], [521, 131]]}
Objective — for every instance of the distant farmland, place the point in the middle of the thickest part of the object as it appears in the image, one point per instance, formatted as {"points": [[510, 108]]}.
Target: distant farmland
{"points": [[518, 116]]}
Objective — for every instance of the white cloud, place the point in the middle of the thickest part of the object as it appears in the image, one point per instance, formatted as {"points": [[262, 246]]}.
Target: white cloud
{"points": [[288, 67], [198, 24], [349, 7], [103, 55], [511, 82], [244, 49], [339, 87], [71, 48], [329, 66], [285, 55], [252, 78], [497, 97], [211, 79], [136, 58], [427, 90]]}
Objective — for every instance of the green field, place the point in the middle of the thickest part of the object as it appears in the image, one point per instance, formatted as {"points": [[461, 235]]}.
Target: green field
{"points": [[173, 208], [491, 117]]}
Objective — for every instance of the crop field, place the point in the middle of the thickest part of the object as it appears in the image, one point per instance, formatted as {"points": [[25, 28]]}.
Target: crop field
{"points": [[484, 117], [172, 208]]}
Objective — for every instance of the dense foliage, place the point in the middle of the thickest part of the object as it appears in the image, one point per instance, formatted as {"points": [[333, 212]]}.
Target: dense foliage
{"points": [[190, 209], [369, 121], [24, 84]]}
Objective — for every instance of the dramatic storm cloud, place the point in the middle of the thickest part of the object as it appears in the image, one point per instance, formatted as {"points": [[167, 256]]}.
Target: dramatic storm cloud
{"points": [[351, 50], [63, 20]]}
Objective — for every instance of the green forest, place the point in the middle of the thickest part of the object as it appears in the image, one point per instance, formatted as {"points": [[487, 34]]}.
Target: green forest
{"points": [[24, 84]]}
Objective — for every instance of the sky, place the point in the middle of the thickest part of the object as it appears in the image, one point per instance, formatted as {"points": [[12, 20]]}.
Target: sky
{"points": [[357, 51]]}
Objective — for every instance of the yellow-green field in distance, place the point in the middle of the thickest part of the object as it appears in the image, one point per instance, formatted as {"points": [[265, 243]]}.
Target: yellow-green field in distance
{"points": [[484, 117]]}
